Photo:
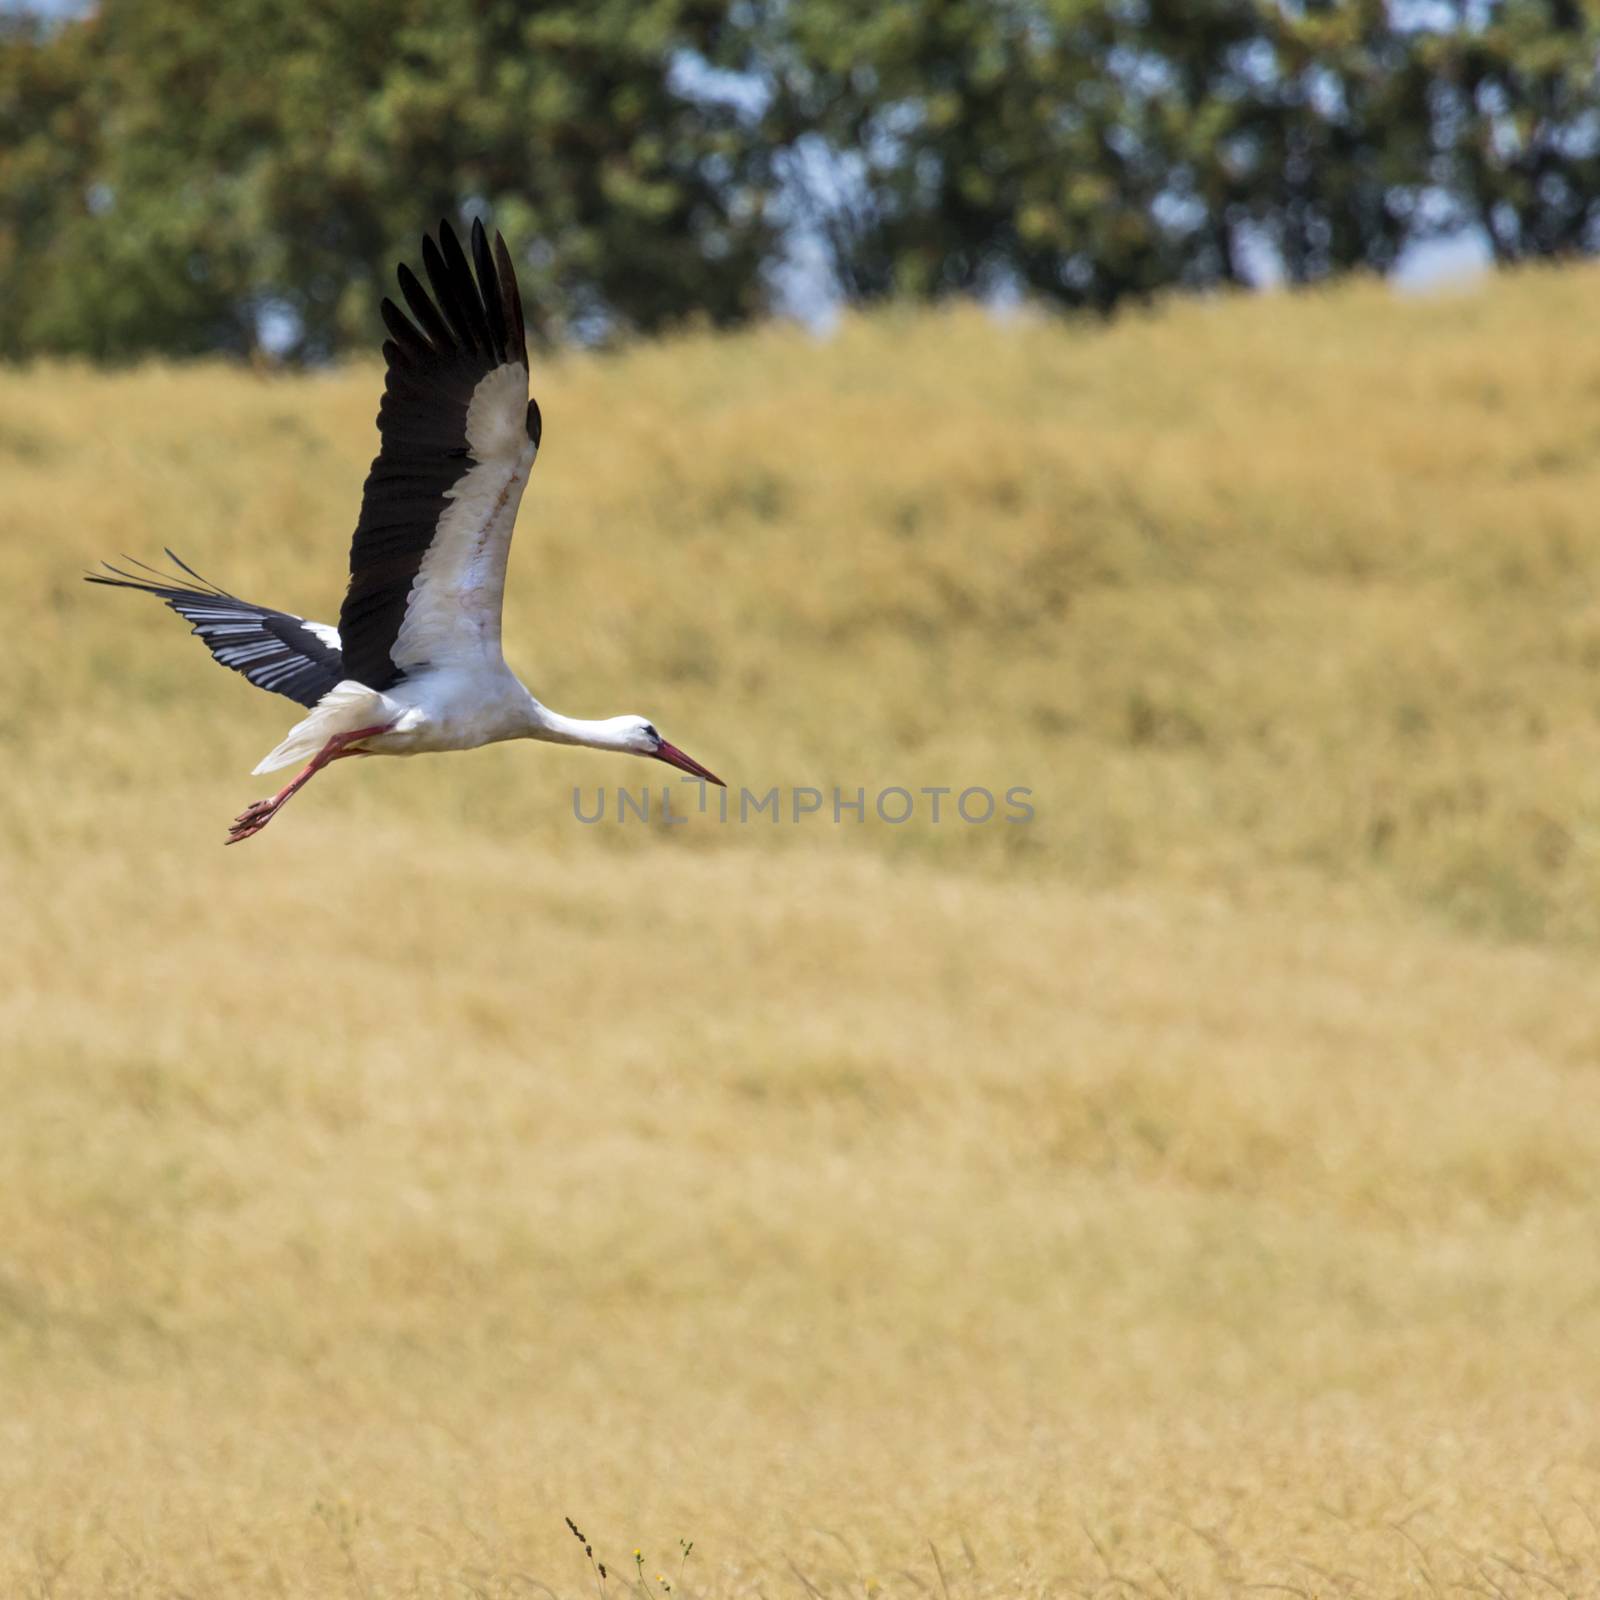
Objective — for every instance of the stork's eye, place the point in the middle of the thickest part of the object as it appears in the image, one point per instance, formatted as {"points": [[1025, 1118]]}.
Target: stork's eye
{"points": [[650, 728]]}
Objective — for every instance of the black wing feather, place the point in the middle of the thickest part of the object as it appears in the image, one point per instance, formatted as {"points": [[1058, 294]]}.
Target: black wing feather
{"points": [[435, 362], [467, 296], [273, 649], [489, 286], [444, 291], [422, 308], [508, 291], [407, 337]]}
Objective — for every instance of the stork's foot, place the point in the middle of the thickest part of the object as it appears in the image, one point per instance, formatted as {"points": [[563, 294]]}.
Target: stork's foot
{"points": [[255, 817], [252, 820]]}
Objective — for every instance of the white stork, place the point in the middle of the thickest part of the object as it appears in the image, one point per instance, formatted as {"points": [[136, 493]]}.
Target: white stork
{"points": [[415, 662]]}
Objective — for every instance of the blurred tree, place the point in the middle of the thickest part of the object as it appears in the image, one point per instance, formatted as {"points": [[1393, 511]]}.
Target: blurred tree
{"points": [[1303, 133], [184, 169], [180, 175], [1088, 150], [48, 139], [970, 144], [1516, 98]]}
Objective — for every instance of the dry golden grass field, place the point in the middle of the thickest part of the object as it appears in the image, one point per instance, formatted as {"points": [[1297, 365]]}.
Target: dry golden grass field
{"points": [[1193, 1192]]}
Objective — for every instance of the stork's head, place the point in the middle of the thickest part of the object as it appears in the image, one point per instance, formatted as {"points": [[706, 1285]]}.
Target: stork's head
{"points": [[640, 737]]}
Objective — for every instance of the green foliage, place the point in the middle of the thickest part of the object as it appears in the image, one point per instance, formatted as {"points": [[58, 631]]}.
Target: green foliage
{"points": [[1089, 150], [233, 156], [1519, 112], [173, 170], [1306, 127], [979, 139]]}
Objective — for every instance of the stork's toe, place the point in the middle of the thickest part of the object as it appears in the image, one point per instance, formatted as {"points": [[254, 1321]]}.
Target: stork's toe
{"points": [[252, 820]]}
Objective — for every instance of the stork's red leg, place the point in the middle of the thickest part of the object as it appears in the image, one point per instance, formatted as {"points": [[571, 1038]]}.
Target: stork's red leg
{"points": [[255, 817]]}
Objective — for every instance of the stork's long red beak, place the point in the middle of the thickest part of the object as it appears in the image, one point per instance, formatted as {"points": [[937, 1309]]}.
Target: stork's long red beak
{"points": [[674, 757]]}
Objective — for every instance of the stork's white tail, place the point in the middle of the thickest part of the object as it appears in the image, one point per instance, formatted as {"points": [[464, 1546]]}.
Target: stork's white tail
{"points": [[345, 707]]}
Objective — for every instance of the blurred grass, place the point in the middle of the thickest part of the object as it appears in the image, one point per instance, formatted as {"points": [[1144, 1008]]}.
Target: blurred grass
{"points": [[1243, 592], [1190, 1192]]}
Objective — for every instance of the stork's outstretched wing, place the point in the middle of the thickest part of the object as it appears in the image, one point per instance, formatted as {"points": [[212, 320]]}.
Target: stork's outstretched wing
{"points": [[428, 562], [273, 649]]}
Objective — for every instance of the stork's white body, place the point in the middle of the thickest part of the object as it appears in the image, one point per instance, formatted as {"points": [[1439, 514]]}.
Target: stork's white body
{"points": [[449, 708]]}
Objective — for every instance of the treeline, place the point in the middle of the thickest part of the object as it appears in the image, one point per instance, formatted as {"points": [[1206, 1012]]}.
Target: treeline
{"points": [[182, 176]]}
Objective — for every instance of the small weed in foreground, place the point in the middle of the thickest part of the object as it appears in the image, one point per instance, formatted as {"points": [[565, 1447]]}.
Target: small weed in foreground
{"points": [[665, 1584]]}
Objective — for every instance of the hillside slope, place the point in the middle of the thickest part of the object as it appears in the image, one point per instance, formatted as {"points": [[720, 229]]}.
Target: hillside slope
{"points": [[1191, 1189]]}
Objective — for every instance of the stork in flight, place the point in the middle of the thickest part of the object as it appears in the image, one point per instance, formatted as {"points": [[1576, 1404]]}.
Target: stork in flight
{"points": [[415, 663]]}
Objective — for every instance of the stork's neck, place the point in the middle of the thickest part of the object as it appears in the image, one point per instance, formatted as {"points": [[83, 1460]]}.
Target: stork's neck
{"points": [[606, 733]]}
